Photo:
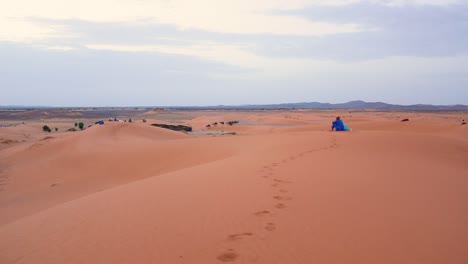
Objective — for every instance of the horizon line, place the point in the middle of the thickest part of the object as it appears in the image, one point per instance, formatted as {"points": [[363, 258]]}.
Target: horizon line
{"points": [[233, 105]]}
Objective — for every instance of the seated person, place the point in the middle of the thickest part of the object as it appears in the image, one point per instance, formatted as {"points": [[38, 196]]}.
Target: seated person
{"points": [[338, 125]]}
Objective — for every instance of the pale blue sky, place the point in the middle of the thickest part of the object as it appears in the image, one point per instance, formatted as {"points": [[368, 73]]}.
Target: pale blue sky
{"points": [[210, 52]]}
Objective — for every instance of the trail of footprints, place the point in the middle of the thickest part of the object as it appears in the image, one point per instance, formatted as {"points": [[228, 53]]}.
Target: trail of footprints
{"points": [[3, 180], [280, 200]]}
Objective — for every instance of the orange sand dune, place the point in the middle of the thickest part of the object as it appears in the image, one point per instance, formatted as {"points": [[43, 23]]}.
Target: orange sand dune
{"points": [[278, 192], [98, 158]]}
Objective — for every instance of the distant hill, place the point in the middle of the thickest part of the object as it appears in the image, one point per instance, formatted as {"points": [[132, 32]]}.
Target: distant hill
{"points": [[377, 105], [349, 105], [305, 105]]}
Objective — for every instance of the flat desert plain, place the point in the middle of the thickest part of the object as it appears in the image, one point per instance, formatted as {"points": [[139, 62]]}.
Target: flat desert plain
{"points": [[280, 188]]}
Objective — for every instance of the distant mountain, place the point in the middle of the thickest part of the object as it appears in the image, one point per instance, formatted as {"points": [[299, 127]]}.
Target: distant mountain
{"points": [[304, 105], [348, 105], [363, 105]]}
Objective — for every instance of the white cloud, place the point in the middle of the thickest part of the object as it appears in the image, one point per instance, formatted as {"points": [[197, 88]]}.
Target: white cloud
{"points": [[262, 67], [15, 29], [62, 48], [231, 54], [242, 16], [417, 2], [221, 16]]}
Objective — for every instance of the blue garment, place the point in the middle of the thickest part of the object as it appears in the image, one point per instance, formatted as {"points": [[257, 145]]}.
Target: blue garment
{"points": [[338, 125]]}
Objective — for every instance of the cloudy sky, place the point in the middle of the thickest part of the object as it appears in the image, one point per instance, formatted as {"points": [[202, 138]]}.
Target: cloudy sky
{"points": [[210, 52]]}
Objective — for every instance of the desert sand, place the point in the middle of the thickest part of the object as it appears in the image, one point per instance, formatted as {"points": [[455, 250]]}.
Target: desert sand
{"points": [[282, 189]]}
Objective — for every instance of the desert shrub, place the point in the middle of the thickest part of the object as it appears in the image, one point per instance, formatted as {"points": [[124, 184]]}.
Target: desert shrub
{"points": [[144, 120], [81, 125], [56, 129], [46, 128], [76, 124]]}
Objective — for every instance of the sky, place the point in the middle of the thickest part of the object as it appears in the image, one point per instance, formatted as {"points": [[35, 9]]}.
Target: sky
{"points": [[232, 52]]}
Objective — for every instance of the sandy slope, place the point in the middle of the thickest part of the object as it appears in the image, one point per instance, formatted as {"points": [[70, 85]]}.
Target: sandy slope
{"points": [[63, 168], [389, 192]]}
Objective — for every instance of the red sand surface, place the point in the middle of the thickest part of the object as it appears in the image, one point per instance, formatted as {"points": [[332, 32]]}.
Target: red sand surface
{"points": [[284, 189]]}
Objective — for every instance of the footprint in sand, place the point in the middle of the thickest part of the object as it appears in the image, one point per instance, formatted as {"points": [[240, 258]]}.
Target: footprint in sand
{"points": [[239, 236], [282, 198], [274, 185], [283, 191], [280, 206], [281, 181], [274, 164], [270, 227], [229, 255], [262, 213]]}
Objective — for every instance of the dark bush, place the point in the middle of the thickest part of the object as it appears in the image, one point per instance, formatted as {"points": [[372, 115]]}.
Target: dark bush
{"points": [[76, 124], [174, 127], [81, 125], [46, 128], [56, 129]]}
